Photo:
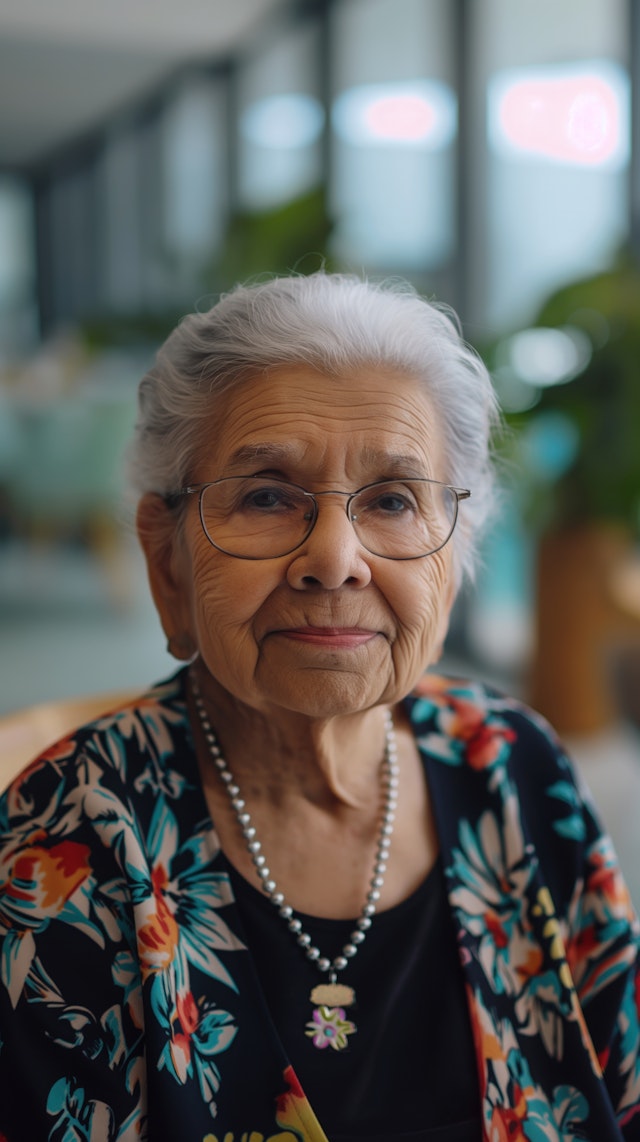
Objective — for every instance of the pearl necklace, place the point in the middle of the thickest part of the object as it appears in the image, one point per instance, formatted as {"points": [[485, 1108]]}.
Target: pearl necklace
{"points": [[328, 1026]]}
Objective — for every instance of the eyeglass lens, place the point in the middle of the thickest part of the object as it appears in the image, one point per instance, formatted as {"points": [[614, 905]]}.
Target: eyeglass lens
{"points": [[255, 519]]}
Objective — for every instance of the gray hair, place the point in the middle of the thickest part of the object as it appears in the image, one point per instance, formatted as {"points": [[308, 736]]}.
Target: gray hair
{"points": [[335, 323]]}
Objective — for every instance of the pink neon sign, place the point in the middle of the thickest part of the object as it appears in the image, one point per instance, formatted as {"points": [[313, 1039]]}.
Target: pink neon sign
{"points": [[400, 117], [574, 119]]}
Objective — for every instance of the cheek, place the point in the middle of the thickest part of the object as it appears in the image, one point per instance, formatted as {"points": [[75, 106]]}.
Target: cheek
{"points": [[226, 596], [422, 602]]}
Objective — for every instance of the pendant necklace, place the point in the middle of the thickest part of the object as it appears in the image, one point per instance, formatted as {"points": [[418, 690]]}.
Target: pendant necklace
{"points": [[329, 1026]]}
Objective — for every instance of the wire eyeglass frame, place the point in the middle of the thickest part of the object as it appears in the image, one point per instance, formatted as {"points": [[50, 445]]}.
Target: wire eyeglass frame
{"points": [[458, 494]]}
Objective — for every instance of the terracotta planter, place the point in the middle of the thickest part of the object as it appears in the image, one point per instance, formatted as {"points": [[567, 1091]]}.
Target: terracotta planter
{"points": [[578, 626]]}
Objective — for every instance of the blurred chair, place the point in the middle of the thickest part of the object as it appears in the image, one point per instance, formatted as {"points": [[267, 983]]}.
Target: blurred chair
{"points": [[27, 733]]}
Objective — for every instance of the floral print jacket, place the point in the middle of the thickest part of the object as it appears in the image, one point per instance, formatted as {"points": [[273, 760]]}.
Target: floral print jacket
{"points": [[130, 1009]]}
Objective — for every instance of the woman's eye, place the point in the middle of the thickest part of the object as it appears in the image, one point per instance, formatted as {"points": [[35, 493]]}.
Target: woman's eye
{"points": [[267, 499], [392, 504]]}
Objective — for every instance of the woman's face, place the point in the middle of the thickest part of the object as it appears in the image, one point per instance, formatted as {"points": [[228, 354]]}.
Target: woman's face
{"points": [[330, 628]]}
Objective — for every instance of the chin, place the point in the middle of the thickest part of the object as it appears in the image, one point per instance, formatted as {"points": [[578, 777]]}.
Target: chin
{"points": [[334, 697]]}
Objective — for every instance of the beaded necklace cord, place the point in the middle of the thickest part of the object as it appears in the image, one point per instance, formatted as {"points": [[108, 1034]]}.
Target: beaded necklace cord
{"points": [[329, 1025]]}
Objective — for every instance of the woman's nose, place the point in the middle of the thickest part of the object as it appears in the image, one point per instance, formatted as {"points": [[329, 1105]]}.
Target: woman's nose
{"points": [[332, 556]]}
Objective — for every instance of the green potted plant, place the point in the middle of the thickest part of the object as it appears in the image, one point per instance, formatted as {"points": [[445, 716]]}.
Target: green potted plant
{"points": [[578, 448]]}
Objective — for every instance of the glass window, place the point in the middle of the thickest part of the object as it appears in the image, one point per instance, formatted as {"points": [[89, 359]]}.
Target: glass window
{"points": [[73, 236], [156, 276], [280, 119], [195, 178], [18, 316], [394, 128], [121, 181], [556, 93]]}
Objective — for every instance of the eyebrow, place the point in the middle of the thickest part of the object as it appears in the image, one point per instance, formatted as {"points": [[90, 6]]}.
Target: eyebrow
{"points": [[283, 453], [274, 453]]}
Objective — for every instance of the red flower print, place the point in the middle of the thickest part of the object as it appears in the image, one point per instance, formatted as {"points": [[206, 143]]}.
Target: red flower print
{"points": [[158, 938], [580, 948], [506, 1126], [183, 1025], [496, 930], [47, 876], [293, 1088], [483, 739]]}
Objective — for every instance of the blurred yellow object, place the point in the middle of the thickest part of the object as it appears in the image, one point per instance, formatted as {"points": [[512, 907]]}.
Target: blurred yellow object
{"points": [[27, 733], [587, 611], [625, 587]]}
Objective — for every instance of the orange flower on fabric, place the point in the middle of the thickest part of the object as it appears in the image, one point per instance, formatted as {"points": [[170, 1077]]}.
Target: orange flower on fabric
{"points": [[46, 876], [158, 937]]}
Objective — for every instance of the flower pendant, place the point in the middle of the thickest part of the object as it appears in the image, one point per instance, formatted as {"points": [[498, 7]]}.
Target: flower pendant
{"points": [[329, 1028]]}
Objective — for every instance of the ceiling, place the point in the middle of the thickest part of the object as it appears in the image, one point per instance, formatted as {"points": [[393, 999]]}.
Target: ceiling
{"points": [[65, 65]]}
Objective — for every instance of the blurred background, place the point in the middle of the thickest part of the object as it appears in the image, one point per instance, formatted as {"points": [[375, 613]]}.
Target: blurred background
{"points": [[154, 153]]}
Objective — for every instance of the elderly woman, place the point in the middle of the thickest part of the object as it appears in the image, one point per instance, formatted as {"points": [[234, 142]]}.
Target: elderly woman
{"points": [[303, 890]]}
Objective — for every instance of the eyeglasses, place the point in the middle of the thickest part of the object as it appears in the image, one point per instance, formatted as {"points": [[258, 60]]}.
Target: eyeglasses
{"points": [[254, 517]]}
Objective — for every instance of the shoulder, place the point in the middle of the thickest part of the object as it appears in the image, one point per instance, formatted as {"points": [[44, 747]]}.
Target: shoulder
{"points": [[474, 724], [490, 757], [83, 823], [113, 752], [498, 748], [485, 750]]}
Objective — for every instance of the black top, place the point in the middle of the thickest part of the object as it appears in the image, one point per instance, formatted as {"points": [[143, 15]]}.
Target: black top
{"points": [[413, 1047]]}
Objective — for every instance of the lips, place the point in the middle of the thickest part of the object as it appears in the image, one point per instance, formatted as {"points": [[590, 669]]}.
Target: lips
{"points": [[330, 636]]}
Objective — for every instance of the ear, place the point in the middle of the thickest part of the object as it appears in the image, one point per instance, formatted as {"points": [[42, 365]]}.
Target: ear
{"points": [[159, 534]]}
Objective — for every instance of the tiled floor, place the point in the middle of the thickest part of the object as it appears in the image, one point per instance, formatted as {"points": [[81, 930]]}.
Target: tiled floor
{"points": [[61, 634]]}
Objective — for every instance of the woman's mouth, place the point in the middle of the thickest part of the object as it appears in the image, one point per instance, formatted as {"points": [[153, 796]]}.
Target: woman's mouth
{"points": [[344, 637]]}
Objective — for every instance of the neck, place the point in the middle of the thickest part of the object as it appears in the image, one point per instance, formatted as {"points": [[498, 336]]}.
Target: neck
{"points": [[315, 794], [330, 762]]}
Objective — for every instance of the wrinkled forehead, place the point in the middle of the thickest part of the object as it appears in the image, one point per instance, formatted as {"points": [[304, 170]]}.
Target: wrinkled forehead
{"points": [[376, 421]]}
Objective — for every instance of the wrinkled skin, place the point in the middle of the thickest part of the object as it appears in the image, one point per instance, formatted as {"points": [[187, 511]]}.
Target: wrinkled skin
{"points": [[339, 434]]}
